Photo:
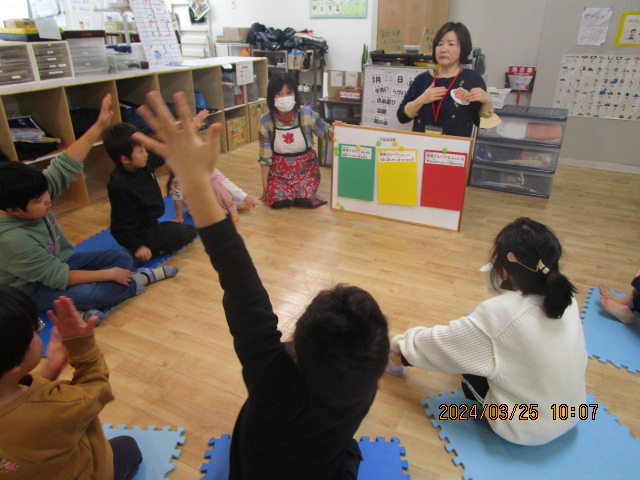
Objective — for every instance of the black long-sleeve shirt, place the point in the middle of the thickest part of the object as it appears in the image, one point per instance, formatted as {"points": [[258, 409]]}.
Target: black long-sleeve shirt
{"points": [[283, 431], [454, 118], [136, 202]]}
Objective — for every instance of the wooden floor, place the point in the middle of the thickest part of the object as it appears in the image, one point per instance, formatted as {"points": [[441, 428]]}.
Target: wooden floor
{"points": [[171, 356]]}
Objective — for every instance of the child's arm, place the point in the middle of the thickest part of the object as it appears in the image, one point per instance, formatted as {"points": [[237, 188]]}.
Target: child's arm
{"points": [[247, 307], [81, 147], [57, 357], [90, 370], [178, 206], [113, 274], [238, 193]]}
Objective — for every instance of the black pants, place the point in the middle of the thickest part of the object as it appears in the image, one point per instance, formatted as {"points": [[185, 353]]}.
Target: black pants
{"points": [[167, 237], [126, 457], [479, 384], [352, 461]]}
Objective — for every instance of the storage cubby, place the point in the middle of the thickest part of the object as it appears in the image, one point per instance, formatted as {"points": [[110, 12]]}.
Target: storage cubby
{"points": [[256, 110], [173, 82], [207, 82], [47, 107], [50, 108], [237, 127], [97, 170], [135, 89]]}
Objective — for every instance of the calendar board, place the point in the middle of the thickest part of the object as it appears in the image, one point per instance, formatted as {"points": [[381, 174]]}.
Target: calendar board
{"points": [[405, 176], [384, 89], [155, 28]]}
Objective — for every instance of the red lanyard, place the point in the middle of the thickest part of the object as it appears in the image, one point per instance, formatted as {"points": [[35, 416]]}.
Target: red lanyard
{"points": [[436, 113]]}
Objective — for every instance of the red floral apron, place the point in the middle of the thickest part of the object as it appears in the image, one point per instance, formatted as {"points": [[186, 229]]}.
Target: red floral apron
{"points": [[294, 172]]}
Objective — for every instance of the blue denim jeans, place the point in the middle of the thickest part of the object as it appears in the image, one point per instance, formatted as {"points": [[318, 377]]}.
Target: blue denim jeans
{"points": [[88, 295]]}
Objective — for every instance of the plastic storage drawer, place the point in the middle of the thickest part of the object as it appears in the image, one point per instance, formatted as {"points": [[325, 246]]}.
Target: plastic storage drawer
{"points": [[513, 181], [15, 64], [531, 124], [515, 154], [52, 60]]}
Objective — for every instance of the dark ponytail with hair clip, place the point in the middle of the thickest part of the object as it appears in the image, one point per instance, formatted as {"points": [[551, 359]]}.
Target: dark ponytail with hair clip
{"points": [[529, 251]]}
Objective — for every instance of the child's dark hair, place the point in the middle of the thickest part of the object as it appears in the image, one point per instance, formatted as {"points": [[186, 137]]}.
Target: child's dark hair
{"points": [[18, 321], [19, 184], [276, 82], [531, 242], [118, 142], [342, 344], [464, 38]]}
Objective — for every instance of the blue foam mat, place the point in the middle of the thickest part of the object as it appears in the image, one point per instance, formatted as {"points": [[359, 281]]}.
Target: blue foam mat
{"points": [[105, 241], [158, 447], [607, 338], [594, 449], [382, 460]]}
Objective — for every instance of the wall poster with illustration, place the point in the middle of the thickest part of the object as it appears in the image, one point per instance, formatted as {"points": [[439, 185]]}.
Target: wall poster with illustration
{"points": [[338, 8], [599, 86], [628, 34]]}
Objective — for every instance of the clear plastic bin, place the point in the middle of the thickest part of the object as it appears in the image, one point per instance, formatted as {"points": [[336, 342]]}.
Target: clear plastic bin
{"points": [[519, 155], [513, 181]]}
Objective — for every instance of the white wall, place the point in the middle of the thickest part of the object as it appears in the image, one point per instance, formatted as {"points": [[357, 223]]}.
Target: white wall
{"points": [[508, 32], [345, 36]]}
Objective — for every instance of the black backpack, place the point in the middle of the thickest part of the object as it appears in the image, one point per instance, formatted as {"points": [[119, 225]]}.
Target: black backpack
{"points": [[252, 36]]}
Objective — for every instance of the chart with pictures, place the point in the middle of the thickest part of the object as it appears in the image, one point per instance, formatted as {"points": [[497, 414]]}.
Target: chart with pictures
{"points": [[153, 22], [338, 8], [600, 86], [384, 88]]}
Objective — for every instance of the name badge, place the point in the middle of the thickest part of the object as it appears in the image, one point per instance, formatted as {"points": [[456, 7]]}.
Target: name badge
{"points": [[433, 129]]}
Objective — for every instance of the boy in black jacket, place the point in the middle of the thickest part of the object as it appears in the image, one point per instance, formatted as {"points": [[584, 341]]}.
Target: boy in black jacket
{"points": [[136, 199], [303, 408]]}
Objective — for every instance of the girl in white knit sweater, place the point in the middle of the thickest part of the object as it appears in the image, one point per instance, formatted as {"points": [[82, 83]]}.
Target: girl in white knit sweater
{"points": [[521, 351]]}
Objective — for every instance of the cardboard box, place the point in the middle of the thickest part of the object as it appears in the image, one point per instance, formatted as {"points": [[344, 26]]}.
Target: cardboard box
{"points": [[237, 132], [256, 110], [233, 34], [338, 79], [352, 94], [20, 23]]}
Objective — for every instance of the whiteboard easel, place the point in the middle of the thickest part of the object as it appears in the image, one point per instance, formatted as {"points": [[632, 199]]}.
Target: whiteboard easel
{"points": [[404, 176]]}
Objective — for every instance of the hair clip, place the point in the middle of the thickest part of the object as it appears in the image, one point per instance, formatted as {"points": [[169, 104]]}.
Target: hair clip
{"points": [[540, 267]]}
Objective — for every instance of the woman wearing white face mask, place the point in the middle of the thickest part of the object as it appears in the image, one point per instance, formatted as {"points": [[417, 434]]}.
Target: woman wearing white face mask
{"points": [[290, 173]]}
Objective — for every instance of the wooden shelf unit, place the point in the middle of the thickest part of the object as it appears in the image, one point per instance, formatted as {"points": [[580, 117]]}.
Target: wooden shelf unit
{"points": [[49, 104]]}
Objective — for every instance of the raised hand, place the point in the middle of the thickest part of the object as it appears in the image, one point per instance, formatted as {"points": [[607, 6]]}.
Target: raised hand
{"points": [[67, 319]]}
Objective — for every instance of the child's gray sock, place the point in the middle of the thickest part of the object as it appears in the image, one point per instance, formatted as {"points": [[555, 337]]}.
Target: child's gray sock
{"points": [[153, 275], [93, 312]]}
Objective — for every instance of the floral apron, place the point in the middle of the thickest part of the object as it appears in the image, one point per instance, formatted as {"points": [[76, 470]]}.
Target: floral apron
{"points": [[294, 172]]}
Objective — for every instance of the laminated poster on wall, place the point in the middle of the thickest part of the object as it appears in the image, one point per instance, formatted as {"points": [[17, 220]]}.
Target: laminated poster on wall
{"points": [[199, 8], [628, 34], [599, 86]]}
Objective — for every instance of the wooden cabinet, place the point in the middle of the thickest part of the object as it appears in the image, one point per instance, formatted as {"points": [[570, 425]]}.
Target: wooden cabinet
{"points": [[343, 110], [49, 104]]}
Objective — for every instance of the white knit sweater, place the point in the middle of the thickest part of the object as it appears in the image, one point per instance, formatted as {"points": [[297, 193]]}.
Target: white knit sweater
{"points": [[527, 358]]}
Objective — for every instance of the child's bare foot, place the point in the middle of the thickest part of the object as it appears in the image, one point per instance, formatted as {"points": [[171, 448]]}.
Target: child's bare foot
{"points": [[235, 217], [618, 310], [605, 292]]}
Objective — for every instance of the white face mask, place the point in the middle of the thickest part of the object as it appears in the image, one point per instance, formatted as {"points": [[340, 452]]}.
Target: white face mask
{"points": [[285, 104]]}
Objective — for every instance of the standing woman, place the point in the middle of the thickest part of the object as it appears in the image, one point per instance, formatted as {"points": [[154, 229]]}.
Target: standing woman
{"points": [[290, 172], [451, 99]]}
